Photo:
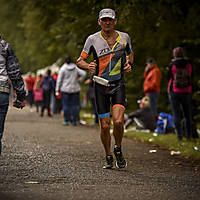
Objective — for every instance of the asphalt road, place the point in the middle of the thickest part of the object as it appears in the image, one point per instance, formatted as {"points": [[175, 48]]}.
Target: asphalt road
{"points": [[44, 160]]}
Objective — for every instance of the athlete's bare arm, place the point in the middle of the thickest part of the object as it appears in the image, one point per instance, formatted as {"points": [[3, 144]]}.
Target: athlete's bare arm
{"points": [[131, 57], [129, 62], [84, 65]]}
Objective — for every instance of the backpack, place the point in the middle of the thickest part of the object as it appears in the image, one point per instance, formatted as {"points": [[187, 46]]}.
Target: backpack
{"points": [[182, 78], [47, 83], [165, 123]]}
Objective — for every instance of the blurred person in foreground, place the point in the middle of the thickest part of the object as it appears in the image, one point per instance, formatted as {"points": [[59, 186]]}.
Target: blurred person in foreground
{"points": [[143, 117], [151, 86], [68, 82], [9, 72], [180, 89], [113, 55]]}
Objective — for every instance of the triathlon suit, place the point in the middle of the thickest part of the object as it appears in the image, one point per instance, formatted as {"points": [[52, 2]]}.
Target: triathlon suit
{"points": [[110, 66]]}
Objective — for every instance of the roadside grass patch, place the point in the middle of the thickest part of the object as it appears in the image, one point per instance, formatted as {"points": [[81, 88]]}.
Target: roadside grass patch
{"points": [[188, 148]]}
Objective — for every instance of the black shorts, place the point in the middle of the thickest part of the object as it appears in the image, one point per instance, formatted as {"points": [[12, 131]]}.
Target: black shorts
{"points": [[107, 96]]}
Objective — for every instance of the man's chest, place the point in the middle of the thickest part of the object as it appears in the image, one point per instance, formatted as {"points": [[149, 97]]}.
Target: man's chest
{"points": [[111, 42], [104, 48]]}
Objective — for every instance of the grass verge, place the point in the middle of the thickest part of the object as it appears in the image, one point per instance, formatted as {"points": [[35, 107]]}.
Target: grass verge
{"points": [[187, 148]]}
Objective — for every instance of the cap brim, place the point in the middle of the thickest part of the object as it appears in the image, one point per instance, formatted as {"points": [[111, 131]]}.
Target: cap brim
{"points": [[109, 16]]}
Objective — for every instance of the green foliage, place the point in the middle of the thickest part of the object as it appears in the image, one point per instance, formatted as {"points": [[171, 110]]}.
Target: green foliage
{"points": [[41, 31]]}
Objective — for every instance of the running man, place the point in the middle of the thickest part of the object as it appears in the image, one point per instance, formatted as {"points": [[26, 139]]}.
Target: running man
{"points": [[112, 55]]}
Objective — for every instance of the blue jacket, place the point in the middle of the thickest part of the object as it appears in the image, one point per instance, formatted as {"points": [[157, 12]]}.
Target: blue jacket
{"points": [[48, 83]]}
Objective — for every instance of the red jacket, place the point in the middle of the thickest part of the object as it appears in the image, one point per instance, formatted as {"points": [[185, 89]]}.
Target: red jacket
{"points": [[152, 80], [30, 83]]}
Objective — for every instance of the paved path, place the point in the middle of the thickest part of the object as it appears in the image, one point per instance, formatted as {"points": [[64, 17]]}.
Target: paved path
{"points": [[43, 160]]}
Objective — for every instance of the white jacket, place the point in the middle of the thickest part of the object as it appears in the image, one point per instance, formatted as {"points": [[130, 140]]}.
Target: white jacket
{"points": [[69, 78]]}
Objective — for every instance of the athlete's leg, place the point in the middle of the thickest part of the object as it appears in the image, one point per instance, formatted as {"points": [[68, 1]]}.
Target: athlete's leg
{"points": [[106, 141], [103, 110], [118, 122], [105, 134], [118, 102]]}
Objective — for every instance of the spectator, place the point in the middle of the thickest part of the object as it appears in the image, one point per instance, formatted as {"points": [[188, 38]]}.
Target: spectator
{"points": [[48, 86], [38, 93], [152, 76], [68, 82], [143, 117], [180, 89], [91, 93], [9, 71], [56, 100], [30, 80]]}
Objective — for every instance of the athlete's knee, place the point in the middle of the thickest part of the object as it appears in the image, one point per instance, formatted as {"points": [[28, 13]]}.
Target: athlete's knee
{"points": [[118, 123], [105, 125]]}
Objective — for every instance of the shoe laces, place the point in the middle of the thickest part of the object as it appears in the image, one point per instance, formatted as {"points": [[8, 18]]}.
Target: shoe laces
{"points": [[118, 152], [109, 159]]}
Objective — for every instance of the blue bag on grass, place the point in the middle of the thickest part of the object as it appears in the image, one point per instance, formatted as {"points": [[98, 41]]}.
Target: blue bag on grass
{"points": [[165, 123]]}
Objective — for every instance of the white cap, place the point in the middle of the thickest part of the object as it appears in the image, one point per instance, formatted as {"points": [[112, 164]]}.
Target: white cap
{"points": [[107, 12]]}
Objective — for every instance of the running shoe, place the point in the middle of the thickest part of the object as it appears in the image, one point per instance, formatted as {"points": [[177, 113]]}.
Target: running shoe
{"points": [[120, 161], [74, 123], [65, 123], [109, 162]]}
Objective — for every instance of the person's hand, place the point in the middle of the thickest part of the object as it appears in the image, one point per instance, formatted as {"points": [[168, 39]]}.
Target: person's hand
{"points": [[92, 67], [87, 81], [18, 104], [148, 67], [127, 67]]}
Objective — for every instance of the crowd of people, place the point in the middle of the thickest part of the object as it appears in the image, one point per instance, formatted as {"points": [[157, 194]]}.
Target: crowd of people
{"points": [[113, 56], [57, 92]]}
